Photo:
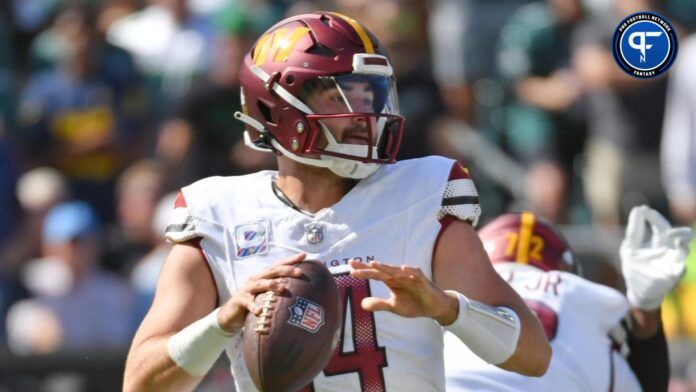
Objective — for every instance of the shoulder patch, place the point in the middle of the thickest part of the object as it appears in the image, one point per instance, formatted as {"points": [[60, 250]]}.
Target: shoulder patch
{"points": [[251, 238]]}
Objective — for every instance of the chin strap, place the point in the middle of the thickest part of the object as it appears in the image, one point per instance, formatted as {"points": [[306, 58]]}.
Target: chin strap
{"points": [[351, 169], [250, 121], [342, 167]]}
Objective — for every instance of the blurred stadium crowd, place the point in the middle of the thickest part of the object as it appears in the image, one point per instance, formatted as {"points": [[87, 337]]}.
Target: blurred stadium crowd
{"points": [[107, 107]]}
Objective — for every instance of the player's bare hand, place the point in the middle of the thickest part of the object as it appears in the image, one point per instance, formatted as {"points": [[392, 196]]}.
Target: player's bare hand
{"points": [[412, 293], [233, 313]]}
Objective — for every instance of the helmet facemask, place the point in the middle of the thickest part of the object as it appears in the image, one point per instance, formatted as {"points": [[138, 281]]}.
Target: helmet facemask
{"points": [[355, 121]]}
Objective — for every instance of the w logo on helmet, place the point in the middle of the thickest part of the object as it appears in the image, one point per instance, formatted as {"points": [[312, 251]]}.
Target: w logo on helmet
{"points": [[278, 44]]}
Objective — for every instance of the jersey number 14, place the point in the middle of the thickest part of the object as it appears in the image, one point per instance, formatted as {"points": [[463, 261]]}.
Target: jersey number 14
{"points": [[362, 354]]}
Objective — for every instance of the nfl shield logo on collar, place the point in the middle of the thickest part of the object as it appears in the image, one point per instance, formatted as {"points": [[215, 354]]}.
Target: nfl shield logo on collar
{"points": [[251, 239], [314, 233], [306, 315]]}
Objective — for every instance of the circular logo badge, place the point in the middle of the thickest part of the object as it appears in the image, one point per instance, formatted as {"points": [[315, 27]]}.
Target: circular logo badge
{"points": [[645, 45]]}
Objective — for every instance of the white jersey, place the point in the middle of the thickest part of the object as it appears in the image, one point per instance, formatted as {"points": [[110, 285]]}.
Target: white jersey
{"points": [[577, 316], [391, 216]]}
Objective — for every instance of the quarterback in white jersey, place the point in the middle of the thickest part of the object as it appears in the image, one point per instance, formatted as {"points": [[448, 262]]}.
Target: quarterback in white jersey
{"points": [[582, 319], [242, 233], [318, 91]]}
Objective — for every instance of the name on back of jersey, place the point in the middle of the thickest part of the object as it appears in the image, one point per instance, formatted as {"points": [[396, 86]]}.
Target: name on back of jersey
{"points": [[548, 283]]}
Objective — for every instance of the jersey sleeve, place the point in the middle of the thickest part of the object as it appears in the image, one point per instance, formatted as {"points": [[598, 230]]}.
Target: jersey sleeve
{"points": [[181, 226], [460, 198]]}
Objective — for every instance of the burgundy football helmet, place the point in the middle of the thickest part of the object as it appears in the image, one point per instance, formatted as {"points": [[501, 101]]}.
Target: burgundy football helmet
{"points": [[526, 238], [306, 72]]}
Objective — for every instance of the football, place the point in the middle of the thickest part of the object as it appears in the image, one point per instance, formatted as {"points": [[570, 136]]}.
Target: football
{"points": [[292, 339]]}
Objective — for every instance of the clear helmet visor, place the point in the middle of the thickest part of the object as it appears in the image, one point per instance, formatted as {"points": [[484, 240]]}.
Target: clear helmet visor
{"points": [[355, 116], [351, 93]]}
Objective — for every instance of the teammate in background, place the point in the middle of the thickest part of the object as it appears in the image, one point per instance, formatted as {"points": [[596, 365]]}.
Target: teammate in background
{"points": [[319, 92], [583, 320]]}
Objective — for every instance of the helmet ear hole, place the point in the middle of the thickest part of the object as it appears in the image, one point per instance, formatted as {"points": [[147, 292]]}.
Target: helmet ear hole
{"points": [[265, 111]]}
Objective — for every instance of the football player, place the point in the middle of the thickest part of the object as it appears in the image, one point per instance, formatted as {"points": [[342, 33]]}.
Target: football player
{"points": [[318, 91], [583, 320]]}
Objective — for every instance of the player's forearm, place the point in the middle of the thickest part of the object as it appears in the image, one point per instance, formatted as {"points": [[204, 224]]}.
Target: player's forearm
{"points": [[180, 360], [509, 337], [645, 323], [533, 353], [150, 368], [648, 358]]}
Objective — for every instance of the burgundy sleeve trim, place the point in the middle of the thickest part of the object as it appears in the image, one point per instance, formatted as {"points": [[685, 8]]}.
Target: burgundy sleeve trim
{"points": [[458, 172], [180, 200]]}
